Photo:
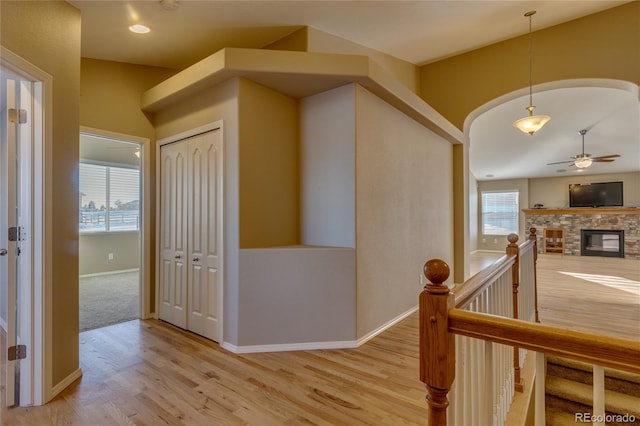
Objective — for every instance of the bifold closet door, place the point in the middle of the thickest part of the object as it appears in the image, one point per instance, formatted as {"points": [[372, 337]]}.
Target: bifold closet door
{"points": [[191, 239], [173, 234], [204, 233]]}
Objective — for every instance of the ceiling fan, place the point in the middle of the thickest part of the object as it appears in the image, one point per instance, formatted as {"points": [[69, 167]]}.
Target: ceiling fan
{"points": [[582, 161]]}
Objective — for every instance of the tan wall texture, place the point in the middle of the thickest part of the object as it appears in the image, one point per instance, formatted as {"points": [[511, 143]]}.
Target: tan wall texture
{"points": [[602, 45], [110, 100], [404, 188], [269, 158], [47, 34]]}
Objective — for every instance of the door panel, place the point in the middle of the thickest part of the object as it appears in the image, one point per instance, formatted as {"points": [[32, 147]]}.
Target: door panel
{"points": [[9, 261], [204, 229], [173, 208]]}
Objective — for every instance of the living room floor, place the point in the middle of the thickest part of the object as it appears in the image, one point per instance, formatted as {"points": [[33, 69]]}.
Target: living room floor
{"points": [[585, 293], [148, 372]]}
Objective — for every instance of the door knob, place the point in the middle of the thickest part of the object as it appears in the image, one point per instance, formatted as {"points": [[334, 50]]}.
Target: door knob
{"points": [[3, 252]]}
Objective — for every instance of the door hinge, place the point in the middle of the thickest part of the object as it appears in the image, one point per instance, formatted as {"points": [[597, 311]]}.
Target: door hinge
{"points": [[17, 352], [17, 115], [17, 233]]}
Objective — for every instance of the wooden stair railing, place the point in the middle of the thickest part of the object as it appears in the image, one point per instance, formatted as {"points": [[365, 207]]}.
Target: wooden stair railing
{"points": [[441, 320]]}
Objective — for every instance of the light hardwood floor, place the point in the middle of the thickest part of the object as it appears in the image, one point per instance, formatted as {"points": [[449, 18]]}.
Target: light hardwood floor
{"points": [[150, 373]]}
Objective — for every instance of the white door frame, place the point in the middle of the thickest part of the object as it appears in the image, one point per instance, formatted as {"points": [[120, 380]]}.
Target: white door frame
{"points": [[146, 252], [212, 126], [36, 388]]}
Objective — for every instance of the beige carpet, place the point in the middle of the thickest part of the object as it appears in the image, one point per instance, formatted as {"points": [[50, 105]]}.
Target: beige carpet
{"points": [[108, 299]]}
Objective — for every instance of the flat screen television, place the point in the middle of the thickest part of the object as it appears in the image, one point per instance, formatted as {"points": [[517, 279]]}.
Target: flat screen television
{"points": [[595, 194]]}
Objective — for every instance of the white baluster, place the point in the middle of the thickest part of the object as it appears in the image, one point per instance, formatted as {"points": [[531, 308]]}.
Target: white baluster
{"points": [[598, 394], [489, 393], [540, 390]]}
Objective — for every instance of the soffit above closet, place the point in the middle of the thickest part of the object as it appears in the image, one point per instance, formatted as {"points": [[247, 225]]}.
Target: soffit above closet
{"points": [[297, 74]]}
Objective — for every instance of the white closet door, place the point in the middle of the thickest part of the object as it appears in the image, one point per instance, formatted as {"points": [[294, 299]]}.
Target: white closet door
{"points": [[205, 239], [173, 234]]}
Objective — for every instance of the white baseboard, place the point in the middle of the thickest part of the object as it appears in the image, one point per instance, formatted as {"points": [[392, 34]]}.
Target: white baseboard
{"points": [[386, 326], [64, 383], [309, 346], [120, 271]]}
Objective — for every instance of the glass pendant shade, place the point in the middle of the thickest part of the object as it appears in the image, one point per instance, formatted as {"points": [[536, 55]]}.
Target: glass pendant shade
{"points": [[532, 123], [583, 162]]}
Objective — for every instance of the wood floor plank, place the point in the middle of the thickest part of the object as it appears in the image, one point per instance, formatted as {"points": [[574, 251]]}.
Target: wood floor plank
{"points": [[151, 373]]}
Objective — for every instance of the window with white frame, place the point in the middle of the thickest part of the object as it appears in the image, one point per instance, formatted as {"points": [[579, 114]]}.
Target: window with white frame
{"points": [[500, 212], [109, 198]]}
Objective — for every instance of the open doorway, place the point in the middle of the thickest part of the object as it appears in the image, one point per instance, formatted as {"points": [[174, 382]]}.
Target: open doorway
{"points": [[110, 224]]}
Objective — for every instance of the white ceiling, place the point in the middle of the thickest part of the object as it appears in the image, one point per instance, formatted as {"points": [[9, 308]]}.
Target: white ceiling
{"points": [[416, 31], [611, 117]]}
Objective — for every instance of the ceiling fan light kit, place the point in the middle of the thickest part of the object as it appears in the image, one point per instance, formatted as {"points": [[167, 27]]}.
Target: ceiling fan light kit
{"points": [[532, 123], [582, 160]]}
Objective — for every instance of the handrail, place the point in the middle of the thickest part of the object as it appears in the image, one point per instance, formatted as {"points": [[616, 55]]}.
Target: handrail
{"points": [[479, 282], [613, 352], [445, 313]]}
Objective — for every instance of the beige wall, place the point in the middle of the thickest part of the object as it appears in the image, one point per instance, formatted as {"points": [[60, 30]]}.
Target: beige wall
{"points": [[474, 205], [310, 39], [95, 248], [110, 101], [554, 192], [47, 34], [110, 95], [269, 158], [602, 45], [404, 188], [327, 168]]}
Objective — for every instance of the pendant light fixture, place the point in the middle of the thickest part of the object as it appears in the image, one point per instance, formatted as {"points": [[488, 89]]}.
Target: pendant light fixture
{"points": [[531, 123]]}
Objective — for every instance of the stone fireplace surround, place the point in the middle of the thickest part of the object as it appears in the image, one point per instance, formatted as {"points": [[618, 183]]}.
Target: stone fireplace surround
{"points": [[575, 219]]}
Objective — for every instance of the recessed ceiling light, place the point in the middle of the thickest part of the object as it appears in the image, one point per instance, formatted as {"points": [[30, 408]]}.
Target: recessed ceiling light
{"points": [[489, 176], [139, 29], [169, 4], [561, 170]]}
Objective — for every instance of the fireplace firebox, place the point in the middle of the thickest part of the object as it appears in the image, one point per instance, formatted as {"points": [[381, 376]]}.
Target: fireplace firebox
{"points": [[598, 242]]}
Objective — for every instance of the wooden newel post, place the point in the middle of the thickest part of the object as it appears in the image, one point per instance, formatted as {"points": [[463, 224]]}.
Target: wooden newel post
{"points": [[437, 345], [514, 250], [534, 238]]}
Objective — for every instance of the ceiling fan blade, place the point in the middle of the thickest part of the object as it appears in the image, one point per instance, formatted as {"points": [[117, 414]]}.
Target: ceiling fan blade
{"points": [[602, 160], [606, 156], [559, 162]]}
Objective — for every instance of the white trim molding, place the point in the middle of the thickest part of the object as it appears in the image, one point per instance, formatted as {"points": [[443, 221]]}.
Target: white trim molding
{"points": [[309, 346]]}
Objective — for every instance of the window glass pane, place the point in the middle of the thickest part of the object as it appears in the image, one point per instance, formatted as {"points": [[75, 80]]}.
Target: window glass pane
{"points": [[93, 198], [500, 213], [109, 198], [124, 194]]}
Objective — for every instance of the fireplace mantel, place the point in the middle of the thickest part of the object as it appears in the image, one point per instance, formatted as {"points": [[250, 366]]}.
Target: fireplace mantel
{"points": [[586, 210]]}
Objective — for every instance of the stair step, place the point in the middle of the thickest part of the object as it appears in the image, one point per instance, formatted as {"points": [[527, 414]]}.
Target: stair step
{"points": [[588, 368], [615, 402], [556, 416]]}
